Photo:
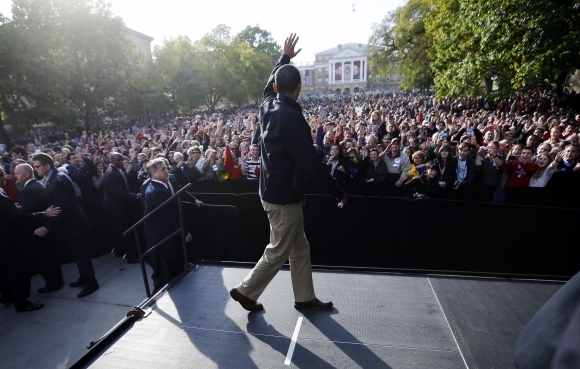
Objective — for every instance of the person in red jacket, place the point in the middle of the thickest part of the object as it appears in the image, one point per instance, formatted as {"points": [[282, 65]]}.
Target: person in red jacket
{"points": [[10, 185], [231, 163], [521, 170]]}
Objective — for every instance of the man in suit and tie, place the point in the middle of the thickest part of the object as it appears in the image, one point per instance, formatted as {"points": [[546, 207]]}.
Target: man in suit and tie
{"points": [[169, 261], [117, 206], [14, 265], [71, 226], [32, 200]]}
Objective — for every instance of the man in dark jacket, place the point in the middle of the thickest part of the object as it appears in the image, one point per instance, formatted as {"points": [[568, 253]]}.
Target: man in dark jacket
{"points": [[81, 173], [168, 261], [33, 200], [287, 157], [14, 263], [71, 227], [117, 205]]}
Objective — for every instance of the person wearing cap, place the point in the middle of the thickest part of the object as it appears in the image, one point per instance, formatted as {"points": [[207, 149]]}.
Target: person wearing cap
{"points": [[288, 155], [398, 163]]}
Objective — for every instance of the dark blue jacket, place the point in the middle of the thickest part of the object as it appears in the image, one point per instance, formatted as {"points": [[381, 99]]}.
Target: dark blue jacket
{"points": [[288, 154], [82, 177], [72, 221], [117, 199], [33, 197]]}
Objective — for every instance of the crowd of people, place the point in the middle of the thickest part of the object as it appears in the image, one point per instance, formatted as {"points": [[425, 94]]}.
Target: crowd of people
{"points": [[528, 140], [414, 144]]}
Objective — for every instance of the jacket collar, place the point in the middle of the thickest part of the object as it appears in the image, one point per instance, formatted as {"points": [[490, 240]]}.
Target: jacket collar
{"points": [[390, 154], [285, 100]]}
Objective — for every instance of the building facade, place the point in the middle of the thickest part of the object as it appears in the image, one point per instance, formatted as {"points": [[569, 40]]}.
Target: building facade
{"points": [[343, 70], [141, 42]]}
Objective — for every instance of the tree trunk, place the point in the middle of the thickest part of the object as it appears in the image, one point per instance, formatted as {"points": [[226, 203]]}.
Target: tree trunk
{"points": [[488, 85], [87, 118], [3, 134], [560, 80]]}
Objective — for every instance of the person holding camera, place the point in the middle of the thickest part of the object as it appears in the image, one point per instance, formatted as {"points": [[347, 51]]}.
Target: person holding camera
{"points": [[211, 166], [520, 171], [425, 185], [489, 165]]}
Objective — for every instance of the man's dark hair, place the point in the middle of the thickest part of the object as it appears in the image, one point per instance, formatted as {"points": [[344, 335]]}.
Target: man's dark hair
{"points": [[287, 78], [528, 148], [572, 145], [19, 150], [44, 159], [69, 155]]}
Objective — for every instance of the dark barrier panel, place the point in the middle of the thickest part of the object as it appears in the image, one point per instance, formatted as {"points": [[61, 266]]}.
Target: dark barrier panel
{"points": [[441, 235], [549, 197], [384, 232]]}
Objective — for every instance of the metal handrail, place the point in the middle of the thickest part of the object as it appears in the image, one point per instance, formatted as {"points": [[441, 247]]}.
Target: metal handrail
{"points": [[156, 210], [181, 230]]}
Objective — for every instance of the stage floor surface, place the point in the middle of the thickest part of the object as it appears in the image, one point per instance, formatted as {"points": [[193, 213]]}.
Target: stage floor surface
{"points": [[378, 321]]}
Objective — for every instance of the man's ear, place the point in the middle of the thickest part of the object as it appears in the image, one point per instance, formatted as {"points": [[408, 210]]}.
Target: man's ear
{"points": [[275, 87]]}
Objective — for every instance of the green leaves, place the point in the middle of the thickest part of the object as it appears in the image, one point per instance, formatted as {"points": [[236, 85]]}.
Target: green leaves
{"points": [[464, 42], [216, 69], [70, 59], [401, 44]]}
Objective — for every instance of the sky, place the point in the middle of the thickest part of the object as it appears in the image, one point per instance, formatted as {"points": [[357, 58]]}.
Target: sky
{"points": [[320, 24]]}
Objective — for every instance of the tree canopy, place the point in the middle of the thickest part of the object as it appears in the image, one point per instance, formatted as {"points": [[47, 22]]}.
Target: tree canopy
{"points": [[468, 46], [69, 62], [400, 43]]}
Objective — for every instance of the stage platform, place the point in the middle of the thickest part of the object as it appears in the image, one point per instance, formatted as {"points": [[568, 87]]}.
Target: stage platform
{"points": [[379, 321]]}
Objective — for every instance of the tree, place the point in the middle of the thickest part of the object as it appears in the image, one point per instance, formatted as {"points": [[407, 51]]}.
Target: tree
{"points": [[176, 71], [84, 51], [261, 41], [400, 43], [250, 70], [25, 92], [518, 43], [216, 79]]}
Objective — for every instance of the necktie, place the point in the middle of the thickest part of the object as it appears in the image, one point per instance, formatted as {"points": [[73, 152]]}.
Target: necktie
{"points": [[124, 179]]}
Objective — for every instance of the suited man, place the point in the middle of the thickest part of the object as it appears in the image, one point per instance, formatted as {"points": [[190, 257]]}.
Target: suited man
{"points": [[169, 262], [71, 226], [117, 205], [32, 200], [14, 265]]}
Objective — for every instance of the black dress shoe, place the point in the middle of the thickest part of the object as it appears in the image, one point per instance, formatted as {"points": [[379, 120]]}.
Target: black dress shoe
{"points": [[30, 307], [246, 303], [48, 289], [79, 283], [314, 304], [88, 290]]}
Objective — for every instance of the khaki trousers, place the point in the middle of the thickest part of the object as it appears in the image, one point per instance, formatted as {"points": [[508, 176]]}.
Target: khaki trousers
{"points": [[287, 242]]}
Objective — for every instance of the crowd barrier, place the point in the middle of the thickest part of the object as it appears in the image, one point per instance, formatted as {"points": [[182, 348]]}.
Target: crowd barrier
{"points": [[469, 236]]}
